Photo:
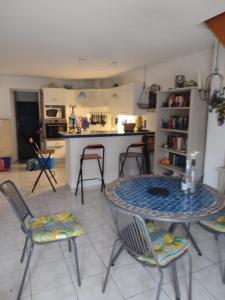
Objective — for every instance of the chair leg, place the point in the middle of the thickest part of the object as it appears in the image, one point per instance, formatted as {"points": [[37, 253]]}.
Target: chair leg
{"points": [[78, 181], [102, 175], [190, 276], [175, 279], [109, 265], [82, 186], [222, 268], [76, 262], [224, 275], [191, 238], [24, 250], [25, 271], [123, 160], [69, 245], [116, 255], [138, 165], [159, 284]]}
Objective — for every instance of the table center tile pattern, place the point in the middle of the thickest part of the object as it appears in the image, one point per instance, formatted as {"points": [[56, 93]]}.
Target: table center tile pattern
{"points": [[132, 193]]}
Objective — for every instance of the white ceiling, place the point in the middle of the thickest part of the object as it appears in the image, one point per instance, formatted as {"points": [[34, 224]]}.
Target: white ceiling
{"points": [[46, 37]]}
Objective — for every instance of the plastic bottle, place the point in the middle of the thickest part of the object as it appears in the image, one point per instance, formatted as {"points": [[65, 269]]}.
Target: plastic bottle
{"points": [[72, 119], [193, 183], [186, 179]]}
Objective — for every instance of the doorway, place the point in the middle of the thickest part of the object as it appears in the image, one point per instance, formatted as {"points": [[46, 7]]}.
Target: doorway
{"points": [[27, 122]]}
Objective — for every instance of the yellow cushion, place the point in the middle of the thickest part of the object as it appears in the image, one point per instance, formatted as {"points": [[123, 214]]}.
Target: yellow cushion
{"points": [[166, 246], [216, 223], [55, 227]]}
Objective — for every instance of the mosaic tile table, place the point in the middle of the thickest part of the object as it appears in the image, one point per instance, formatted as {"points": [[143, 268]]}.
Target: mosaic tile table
{"points": [[132, 193]]}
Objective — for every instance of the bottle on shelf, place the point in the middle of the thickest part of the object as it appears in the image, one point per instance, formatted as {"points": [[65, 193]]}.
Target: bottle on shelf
{"points": [[186, 179]]}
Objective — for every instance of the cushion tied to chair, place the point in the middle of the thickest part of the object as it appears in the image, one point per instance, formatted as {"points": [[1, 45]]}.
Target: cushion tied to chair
{"points": [[166, 246], [216, 223], [54, 227]]}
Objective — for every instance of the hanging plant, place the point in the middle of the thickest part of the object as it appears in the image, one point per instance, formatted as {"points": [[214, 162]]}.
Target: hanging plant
{"points": [[217, 104]]}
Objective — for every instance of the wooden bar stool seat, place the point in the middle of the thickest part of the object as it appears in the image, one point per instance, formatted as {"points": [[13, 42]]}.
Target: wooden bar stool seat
{"points": [[132, 154], [91, 156]]}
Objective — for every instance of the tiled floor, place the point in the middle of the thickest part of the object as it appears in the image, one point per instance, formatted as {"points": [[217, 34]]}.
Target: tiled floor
{"points": [[52, 273]]}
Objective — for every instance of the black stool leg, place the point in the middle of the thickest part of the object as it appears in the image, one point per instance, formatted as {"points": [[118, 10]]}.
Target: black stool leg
{"points": [[102, 175], [78, 180], [139, 166], [82, 186], [123, 160]]}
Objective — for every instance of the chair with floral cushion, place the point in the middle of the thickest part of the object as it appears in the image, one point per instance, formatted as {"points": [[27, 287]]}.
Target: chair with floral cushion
{"points": [[215, 225], [43, 229], [149, 245]]}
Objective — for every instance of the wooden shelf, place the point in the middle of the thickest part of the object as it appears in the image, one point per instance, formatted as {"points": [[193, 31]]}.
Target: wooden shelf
{"points": [[175, 169], [169, 150], [173, 130], [175, 108]]}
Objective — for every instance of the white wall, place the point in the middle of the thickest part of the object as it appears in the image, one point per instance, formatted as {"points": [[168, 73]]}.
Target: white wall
{"points": [[163, 74], [215, 143]]}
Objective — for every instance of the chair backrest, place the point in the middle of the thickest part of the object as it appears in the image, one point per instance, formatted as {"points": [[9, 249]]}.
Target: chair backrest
{"points": [[132, 231], [10, 191], [34, 144]]}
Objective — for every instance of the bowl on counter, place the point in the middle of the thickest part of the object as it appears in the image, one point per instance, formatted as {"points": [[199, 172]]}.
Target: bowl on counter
{"points": [[129, 127]]}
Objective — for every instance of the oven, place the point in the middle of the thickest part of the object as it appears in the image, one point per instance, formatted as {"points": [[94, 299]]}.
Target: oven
{"points": [[54, 112], [53, 128]]}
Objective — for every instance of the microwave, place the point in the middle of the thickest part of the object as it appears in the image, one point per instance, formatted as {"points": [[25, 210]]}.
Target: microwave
{"points": [[54, 111]]}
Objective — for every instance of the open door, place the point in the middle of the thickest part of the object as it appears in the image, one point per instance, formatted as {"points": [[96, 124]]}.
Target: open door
{"points": [[27, 122]]}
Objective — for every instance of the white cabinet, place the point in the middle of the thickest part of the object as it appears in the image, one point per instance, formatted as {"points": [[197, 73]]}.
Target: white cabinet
{"points": [[174, 140], [90, 97], [58, 146], [123, 99], [58, 96]]}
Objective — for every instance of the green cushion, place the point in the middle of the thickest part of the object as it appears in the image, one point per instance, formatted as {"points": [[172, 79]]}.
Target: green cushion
{"points": [[166, 246], [216, 223], [55, 227]]}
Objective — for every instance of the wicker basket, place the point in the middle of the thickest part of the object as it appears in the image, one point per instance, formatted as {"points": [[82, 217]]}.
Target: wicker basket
{"points": [[129, 127]]}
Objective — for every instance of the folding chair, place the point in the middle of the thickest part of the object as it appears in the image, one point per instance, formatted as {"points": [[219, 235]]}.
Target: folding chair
{"points": [[215, 225], [43, 162], [41, 230]]}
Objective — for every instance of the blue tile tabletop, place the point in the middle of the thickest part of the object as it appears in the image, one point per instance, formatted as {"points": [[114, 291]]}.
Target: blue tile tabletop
{"points": [[132, 193]]}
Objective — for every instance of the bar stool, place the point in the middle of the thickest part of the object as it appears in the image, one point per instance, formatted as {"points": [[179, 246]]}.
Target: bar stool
{"points": [[91, 156], [131, 154]]}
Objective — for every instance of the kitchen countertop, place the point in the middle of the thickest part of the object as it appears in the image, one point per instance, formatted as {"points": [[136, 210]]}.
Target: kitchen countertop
{"points": [[86, 134]]}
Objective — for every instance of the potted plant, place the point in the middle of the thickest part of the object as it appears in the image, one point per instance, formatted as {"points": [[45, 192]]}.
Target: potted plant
{"points": [[217, 104]]}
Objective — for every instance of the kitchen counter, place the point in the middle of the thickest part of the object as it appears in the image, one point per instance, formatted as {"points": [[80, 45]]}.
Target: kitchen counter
{"points": [[114, 144], [89, 133]]}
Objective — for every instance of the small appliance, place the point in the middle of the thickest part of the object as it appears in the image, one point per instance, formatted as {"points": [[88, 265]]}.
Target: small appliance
{"points": [[54, 111]]}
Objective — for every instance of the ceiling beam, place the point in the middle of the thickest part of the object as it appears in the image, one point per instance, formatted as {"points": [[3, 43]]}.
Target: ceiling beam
{"points": [[217, 26]]}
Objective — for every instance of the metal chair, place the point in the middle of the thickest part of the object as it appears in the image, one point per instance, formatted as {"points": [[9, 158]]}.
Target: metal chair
{"points": [[131, 154], [216, 226], [91, 156], [140, 241], [41, 230], [43, 162]]}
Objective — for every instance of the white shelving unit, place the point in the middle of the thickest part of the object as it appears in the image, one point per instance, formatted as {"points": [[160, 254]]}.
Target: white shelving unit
{"points": [[197, 112]]}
